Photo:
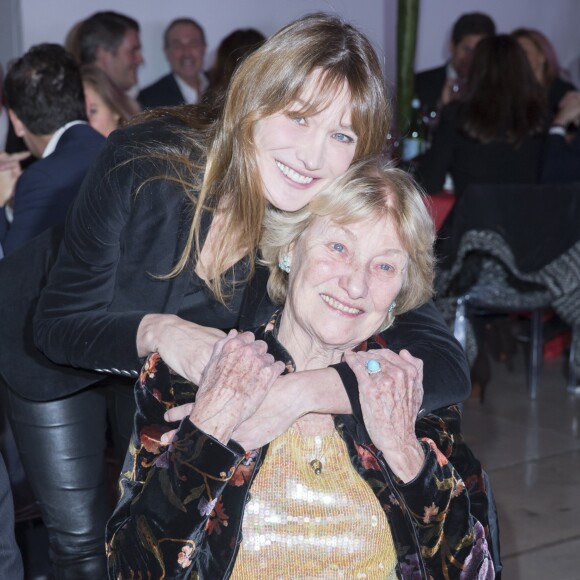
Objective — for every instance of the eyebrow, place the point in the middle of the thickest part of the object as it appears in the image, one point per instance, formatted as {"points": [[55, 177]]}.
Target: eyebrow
{"points": [[305, 104]]}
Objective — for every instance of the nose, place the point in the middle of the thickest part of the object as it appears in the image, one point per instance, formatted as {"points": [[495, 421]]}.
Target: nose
{"points": [[354, 280], [312, 150]]}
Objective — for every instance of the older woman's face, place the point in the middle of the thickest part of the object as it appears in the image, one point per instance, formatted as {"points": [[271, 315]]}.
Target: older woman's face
{"points": [[298, 156], [343, 279]]}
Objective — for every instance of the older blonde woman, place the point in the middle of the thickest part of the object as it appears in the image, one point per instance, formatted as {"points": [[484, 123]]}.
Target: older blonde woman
{"points": [[329, 497]]}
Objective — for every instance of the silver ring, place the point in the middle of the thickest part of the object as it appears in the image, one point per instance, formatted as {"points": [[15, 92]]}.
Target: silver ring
{"points": [[373, 366]]}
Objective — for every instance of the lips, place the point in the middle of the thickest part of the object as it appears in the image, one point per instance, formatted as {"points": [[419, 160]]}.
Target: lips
{"points": [[339, 305], [294, 175]]}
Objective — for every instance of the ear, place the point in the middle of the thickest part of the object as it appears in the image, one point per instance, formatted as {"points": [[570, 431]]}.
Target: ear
{"points": [[19, 126]]}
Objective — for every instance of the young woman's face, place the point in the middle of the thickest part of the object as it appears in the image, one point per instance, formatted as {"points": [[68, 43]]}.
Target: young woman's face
{"points": [[298, 156], [101, 118]]}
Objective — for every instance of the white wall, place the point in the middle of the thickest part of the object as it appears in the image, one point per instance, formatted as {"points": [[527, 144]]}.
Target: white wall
{"points": [[558, 19], [44, 20]]}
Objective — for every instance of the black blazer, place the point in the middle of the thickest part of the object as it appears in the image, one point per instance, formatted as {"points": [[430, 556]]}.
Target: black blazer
{"points": [[162, 93], [102, 285], [10, 559], [46, 189], [429, 85]]}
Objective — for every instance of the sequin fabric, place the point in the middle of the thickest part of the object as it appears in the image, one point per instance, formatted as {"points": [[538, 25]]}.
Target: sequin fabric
{"points": [[305, 525]]}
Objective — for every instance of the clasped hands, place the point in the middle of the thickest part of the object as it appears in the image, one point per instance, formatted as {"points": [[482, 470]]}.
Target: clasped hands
{"points": [[242, 397], [9, 173]]}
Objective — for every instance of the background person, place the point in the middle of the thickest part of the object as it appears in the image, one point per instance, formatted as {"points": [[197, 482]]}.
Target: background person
{"points": [[542, 57], [495, 132], [107, 107], [111, 41], [439, 86], [45, 102], [184, 45], [210, 506]]}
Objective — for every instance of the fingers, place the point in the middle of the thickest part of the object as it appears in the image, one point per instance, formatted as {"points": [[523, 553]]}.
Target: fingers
{"points": [[178, 413], [167, 437]]}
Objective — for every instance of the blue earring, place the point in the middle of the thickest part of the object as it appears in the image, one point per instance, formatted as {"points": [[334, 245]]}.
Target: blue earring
{"points": [[284, 264], [392, 307]]}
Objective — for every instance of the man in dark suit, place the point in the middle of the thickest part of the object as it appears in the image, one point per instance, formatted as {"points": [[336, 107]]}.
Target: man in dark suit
{"points": [[184, 46], [111, 41], [438, 86], [46, 105]]}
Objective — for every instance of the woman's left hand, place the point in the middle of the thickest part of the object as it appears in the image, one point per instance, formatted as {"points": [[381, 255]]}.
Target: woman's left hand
{"points": [[390, 400]]}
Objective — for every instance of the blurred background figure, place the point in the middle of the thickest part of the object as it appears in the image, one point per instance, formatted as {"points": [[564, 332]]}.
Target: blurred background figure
{"points": [[110, 41], [495, 132], [46, 104], [184, 45], [438, 86], [544, 62], [562, 156], [107, 107], [232, 50]]}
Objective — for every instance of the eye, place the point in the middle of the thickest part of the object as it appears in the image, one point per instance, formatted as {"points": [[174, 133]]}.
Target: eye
{"points": [[343, 138], [296, 118], [93, 111], [386, 268], [338, 247]]}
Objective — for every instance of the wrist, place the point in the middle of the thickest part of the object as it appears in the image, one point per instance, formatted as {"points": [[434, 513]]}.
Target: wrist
{"points": [[150, 331]]}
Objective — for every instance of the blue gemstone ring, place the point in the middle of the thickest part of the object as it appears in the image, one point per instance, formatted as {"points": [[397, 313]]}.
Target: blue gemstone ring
{"points": [[373, 366]]}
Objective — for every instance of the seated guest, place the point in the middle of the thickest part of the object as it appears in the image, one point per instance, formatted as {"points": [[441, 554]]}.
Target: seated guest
{"points": [[107, 107], [544, 62], [562, 154], [439, 86], [328, 495], [46, 104], [495, 132], [231, 51], [110, 41], [184, 45]]}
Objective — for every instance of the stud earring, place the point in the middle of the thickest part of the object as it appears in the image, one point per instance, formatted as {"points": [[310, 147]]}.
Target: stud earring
{"points": [[392, 307], [284, 264]]}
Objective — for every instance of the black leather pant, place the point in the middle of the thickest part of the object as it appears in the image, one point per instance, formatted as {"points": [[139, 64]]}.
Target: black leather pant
{"points": [[62, 445]]}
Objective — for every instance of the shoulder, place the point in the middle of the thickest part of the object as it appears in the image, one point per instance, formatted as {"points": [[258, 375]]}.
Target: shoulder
{"points": [[432, 74]]}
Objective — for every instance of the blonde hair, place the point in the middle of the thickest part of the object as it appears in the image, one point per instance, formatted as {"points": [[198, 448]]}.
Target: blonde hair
{"points": [[365, 191], [266, 82]]}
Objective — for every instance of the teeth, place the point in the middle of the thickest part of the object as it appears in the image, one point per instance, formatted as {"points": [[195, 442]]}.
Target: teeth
{"points": [[293, 175], [339, 306]]}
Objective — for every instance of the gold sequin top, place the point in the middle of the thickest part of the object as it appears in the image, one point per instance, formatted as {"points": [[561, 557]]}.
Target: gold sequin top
{"points": [[300, 525]]}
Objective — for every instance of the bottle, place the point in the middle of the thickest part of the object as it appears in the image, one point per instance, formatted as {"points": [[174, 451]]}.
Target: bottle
{"points": [[415, 141]]}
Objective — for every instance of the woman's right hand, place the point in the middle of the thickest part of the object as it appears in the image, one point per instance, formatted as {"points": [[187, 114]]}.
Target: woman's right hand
{"points": [[237, 379], [186, 347]]}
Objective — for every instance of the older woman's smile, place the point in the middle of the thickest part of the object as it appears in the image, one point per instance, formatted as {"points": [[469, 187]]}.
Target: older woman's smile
{"points": [[333, 303]]}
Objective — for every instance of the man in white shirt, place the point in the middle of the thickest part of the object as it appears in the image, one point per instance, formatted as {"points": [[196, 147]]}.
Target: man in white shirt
{"points": [[184, 46]]}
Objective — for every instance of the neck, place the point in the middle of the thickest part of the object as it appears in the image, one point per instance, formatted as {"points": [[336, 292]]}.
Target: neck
{"points": [[307, 352], [192, 82]]}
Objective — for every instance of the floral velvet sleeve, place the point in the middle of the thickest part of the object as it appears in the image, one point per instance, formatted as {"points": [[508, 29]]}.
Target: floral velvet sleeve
{"points": [[441, 501], [169, 495]]}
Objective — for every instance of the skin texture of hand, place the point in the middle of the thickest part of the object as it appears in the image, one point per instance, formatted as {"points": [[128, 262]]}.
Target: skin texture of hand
{"points": [[291, 397], [234, 384], [451, 91], [9, 173], [569, 109], [185, 346], [390, 401]]}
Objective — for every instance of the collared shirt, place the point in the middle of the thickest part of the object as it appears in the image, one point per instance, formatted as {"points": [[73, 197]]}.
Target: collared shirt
{"points": [[191, 95], [51, 145]]}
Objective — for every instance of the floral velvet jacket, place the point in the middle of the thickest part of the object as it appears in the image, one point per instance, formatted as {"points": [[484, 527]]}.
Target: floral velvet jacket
{"points": [[181, 507]]}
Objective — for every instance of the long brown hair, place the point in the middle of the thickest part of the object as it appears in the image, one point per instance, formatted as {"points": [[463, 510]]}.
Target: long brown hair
{"points": [[267, 82], [551, 68], [503, 100]]}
